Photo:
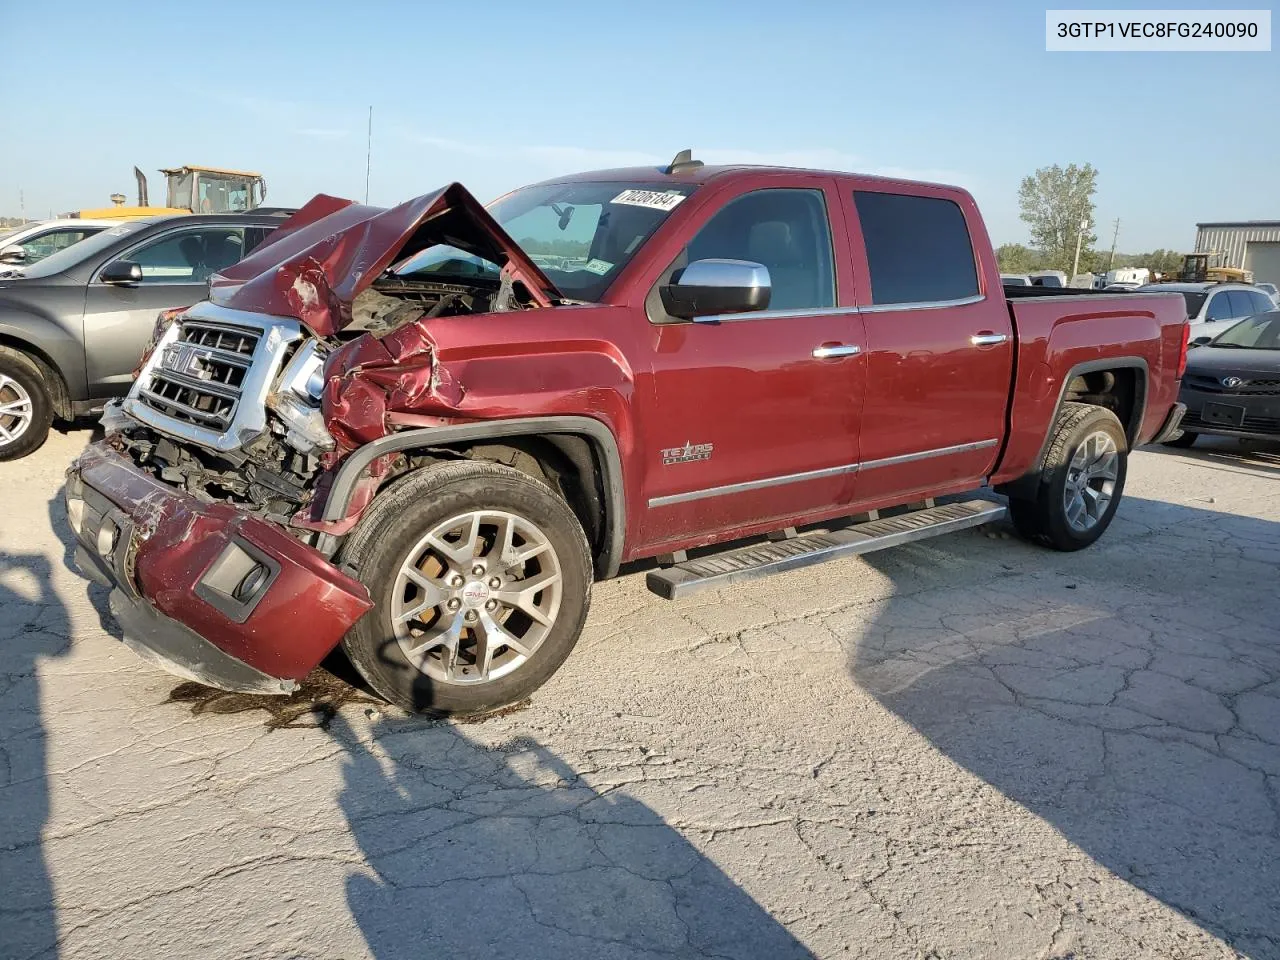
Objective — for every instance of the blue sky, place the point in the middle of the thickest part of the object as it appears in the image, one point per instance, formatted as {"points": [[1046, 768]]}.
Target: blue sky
{"points": [[500, 93]]}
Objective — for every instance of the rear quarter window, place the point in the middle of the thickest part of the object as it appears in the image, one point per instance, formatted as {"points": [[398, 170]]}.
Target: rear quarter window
{"points": [[918, 248]]}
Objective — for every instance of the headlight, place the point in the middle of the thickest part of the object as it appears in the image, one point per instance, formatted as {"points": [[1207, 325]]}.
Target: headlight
{"points": [[297, 400]]}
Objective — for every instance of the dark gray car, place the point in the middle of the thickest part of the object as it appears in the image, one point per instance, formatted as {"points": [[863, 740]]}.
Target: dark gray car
{"points": [[73, 328]]}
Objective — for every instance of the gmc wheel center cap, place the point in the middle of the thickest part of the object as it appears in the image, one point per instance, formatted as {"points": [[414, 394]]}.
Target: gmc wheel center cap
{"points": [[475, 593]]}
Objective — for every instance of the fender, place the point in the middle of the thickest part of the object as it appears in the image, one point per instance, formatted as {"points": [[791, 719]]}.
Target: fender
{"points": [[1132, 428], [606, 446], [52, 347]]}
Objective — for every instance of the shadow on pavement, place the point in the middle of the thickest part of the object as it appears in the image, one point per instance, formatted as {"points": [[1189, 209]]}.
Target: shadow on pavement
{"points": [[1258, 456], [507, 852], [34, 626], [1129, 696]]}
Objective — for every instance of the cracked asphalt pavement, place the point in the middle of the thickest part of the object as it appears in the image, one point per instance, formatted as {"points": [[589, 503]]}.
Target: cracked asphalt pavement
{"points": [[967, 747]]}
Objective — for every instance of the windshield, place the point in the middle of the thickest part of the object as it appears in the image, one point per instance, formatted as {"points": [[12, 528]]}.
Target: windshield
{"points": [[1257, 333], [580, 234], [77, 253], [46, 244]]}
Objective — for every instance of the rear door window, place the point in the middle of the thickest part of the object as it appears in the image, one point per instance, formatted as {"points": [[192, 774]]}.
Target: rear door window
{"points": [[1219, 307], [1261, 302], [918, 248], [1242, 304]]}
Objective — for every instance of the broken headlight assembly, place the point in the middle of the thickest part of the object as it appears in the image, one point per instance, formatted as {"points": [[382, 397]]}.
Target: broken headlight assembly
{"points": [[296, 400]]}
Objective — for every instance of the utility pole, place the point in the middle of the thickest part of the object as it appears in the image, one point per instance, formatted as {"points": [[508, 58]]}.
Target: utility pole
{"points": [[1111, 261], [1075, 267], [22, 206], [368, 156]]}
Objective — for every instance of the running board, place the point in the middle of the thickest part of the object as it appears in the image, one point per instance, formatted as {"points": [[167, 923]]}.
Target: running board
{"points": [[760, 560]]}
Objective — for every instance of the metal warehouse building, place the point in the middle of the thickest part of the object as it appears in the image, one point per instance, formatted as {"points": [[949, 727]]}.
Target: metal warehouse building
{"points": [[1252, 244]]}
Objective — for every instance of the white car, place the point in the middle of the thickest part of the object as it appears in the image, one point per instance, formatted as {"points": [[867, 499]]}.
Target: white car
{"points": [[1215, 307], [1270, 290], [35, 241]]}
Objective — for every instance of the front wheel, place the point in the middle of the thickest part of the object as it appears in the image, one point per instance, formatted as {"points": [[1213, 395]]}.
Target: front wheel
{"points": [[481, 579], [1081, 480], [25, 409]]}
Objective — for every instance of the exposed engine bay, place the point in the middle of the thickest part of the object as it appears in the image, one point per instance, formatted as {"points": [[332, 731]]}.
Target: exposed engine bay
{"points": [[267, 477], [392, 301]]}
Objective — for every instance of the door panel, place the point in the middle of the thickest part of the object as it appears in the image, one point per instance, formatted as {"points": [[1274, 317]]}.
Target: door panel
{"points": [[935, 406], [744, 424], [118, 319], [745, 402], [939, 352]]}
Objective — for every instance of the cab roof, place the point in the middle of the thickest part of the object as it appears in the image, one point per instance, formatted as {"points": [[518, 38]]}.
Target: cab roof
{"points": [[708, 173], [191, 167]]}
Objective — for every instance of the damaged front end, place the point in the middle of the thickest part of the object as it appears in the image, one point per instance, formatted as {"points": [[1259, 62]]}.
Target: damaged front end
{"points": [[200, 507]]}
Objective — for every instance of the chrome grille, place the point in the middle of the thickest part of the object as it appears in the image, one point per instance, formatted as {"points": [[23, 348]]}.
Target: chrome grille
{"points": [[208, 378], [1247, 385], [201, 373]]}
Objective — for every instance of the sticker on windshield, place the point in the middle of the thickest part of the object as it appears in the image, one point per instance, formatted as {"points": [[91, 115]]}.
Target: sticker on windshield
{"points": [[653, 199], [598, 267]]}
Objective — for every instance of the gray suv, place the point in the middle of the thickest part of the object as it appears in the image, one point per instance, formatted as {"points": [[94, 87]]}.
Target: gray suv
{"points": [[73, 327]]}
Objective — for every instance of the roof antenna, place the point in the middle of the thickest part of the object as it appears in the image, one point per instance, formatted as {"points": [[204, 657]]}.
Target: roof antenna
{"points": [[683, 161]]}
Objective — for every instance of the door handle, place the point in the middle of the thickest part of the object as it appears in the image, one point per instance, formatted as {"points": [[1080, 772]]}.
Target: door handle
{"points": [[988, 339], [829, 350]]}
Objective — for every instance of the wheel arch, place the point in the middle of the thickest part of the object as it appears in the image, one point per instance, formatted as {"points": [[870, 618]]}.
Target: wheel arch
{"points": [[59, 392], [1138, 375], [587, 446]]}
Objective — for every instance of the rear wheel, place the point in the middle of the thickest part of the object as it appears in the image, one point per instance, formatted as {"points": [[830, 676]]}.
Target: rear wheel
{"points": [[1081, 481], [481, 579], [1183, 440], [25, 408]]}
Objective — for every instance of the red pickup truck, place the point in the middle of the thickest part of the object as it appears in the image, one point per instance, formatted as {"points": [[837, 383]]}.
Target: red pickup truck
{"points": [[422, 432]]}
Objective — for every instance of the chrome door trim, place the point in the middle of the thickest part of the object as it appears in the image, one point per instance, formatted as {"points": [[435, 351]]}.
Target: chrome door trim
{"points": [[927, 454], [838, 311], [836, 350], [988, 339], [922, 304], [778, 314], [751, 485]]}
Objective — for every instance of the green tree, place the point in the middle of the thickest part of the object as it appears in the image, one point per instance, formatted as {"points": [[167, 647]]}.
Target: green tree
{"points": [[1015, 258], [1054, 201]]}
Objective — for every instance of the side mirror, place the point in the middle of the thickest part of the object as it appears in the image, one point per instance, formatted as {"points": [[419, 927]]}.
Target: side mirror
{"points": [[121, 271], [13, 254], [707, 288], [1200, 341]]}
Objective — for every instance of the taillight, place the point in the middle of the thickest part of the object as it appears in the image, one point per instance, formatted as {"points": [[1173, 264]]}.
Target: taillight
{"points": [[1182, 355]]}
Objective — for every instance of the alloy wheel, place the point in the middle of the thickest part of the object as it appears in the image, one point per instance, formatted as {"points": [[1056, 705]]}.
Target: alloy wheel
{"points": [[476, 596], [1091, 481], [16, 410]]}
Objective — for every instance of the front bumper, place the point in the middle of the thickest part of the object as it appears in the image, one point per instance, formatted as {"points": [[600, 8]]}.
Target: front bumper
{"points": [[201, 589], [1208, 412]]}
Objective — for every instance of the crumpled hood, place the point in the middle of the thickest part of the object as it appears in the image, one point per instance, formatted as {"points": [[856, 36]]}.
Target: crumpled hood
{"points": [[319, 260]]}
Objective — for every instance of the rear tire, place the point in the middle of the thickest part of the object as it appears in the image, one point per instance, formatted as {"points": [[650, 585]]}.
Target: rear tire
{"points": [[1183, 440], [481, 579], [1081, 480], [25, 408]]}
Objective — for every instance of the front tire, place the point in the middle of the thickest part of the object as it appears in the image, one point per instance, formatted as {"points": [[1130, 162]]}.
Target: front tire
{"points": [[25, 408], [481, 580], [1081, 480]]}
